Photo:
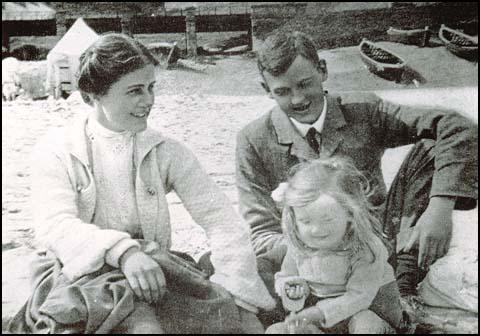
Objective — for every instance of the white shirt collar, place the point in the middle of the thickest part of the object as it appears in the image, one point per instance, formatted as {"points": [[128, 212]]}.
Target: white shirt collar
{"points": [[303, 128]]}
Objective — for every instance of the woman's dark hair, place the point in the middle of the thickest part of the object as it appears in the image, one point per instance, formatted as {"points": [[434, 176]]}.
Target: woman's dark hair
{"points": [[107, 60]]}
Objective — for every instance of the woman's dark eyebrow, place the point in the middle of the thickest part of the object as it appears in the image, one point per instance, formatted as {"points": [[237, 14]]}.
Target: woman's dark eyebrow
{"points": [[134, 85], [139, 85]]}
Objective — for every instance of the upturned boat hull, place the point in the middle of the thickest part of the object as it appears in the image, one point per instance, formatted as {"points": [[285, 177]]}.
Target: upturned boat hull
{"points": [[419, 37]]}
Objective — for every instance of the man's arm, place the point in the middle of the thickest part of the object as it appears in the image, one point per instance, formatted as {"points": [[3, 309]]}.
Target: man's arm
{"points": [[456, 144], [455, 178], [256, 205]]}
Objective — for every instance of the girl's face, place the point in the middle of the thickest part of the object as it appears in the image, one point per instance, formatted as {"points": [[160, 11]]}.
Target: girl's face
{"points": [[322, 224], [127, 104]]}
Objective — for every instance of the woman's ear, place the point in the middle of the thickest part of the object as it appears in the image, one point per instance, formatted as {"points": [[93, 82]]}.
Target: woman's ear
{"points": [[322, 69], [87, 98]]}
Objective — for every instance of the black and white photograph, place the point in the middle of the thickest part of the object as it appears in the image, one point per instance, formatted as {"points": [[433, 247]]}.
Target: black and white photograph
{"points": [[240, 167]]}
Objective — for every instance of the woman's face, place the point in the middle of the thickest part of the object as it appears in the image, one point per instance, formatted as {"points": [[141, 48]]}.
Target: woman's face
{"points": [[322, 224], [127, 104]]}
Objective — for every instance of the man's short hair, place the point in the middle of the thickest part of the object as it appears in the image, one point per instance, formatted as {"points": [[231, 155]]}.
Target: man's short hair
{"points": [[280, 50]]}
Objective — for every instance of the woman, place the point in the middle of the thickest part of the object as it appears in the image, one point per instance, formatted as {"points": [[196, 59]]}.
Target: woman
{"points": [[99, 202]]}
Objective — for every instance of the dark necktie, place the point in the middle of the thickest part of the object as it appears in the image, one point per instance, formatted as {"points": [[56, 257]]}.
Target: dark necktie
{"points": [[312, 139]]}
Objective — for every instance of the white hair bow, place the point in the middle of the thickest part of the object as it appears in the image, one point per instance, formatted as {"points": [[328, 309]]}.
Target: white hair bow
{"points": [[278, 195]]}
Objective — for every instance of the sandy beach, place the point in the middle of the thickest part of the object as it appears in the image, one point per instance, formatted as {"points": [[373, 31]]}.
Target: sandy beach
{"points": [[205, 110]]}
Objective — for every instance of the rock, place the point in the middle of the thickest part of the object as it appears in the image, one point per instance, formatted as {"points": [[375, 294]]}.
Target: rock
{"points": [[26, 52], [10, 78], [10, 66], [452, 281]]}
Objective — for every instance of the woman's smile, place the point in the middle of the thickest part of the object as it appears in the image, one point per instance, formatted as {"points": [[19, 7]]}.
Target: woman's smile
{"points": [[140, 114]]}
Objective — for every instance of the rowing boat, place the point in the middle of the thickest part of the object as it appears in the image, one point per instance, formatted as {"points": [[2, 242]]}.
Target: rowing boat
{"points": [[459, 43], [418, 37], [381, 61]]}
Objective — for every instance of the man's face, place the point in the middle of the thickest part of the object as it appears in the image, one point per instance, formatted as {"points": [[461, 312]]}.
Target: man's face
{"points": [[298, 91]]}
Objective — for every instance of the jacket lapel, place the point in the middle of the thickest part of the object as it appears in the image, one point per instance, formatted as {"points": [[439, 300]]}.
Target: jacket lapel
{"points": [[80, 169], [151, 201], [287, 134], [334, 121]]}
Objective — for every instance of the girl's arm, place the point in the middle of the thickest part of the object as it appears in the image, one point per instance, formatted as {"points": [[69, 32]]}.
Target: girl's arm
{"points": [[292, 288], [81, 247], [288, 271], [232, 252], [361, 289]]}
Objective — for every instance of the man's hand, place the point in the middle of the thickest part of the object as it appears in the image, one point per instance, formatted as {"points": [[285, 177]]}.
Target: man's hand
{"points": [[144, 275], [433, 231]]}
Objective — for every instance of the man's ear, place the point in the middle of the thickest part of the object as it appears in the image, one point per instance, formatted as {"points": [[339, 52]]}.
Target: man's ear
{"points": [[267, 89], [322, 68]]}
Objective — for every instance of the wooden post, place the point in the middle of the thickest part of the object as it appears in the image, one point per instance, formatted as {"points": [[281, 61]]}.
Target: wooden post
{"points": [[191, 32], [126, 22], [61, 23], [5, 39]]}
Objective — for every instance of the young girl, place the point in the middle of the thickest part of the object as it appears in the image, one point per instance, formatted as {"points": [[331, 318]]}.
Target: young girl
{"points": [[99, 196], [335, 260]]}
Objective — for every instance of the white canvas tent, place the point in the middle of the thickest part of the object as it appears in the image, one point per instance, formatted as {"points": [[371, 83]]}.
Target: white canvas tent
{"points": [[63, 59]]}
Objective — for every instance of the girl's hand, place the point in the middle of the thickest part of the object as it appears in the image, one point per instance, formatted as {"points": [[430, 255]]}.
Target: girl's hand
{"points": [[312, 315], [295, 287], [144, 275], [295, 292]]}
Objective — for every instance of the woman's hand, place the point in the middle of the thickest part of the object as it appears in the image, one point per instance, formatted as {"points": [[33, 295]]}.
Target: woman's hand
{"points": [[144, 275]]}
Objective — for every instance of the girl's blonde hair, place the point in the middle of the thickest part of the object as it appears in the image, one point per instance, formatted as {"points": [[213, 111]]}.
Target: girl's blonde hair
{"points": [[340, 179]]}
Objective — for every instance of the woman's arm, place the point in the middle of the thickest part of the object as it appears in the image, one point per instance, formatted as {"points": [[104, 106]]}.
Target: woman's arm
{"points": [[232, 252], [81, 247]]}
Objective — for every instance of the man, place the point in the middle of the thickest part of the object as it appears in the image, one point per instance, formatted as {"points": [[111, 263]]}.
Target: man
{"points": [[438, 175]]}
